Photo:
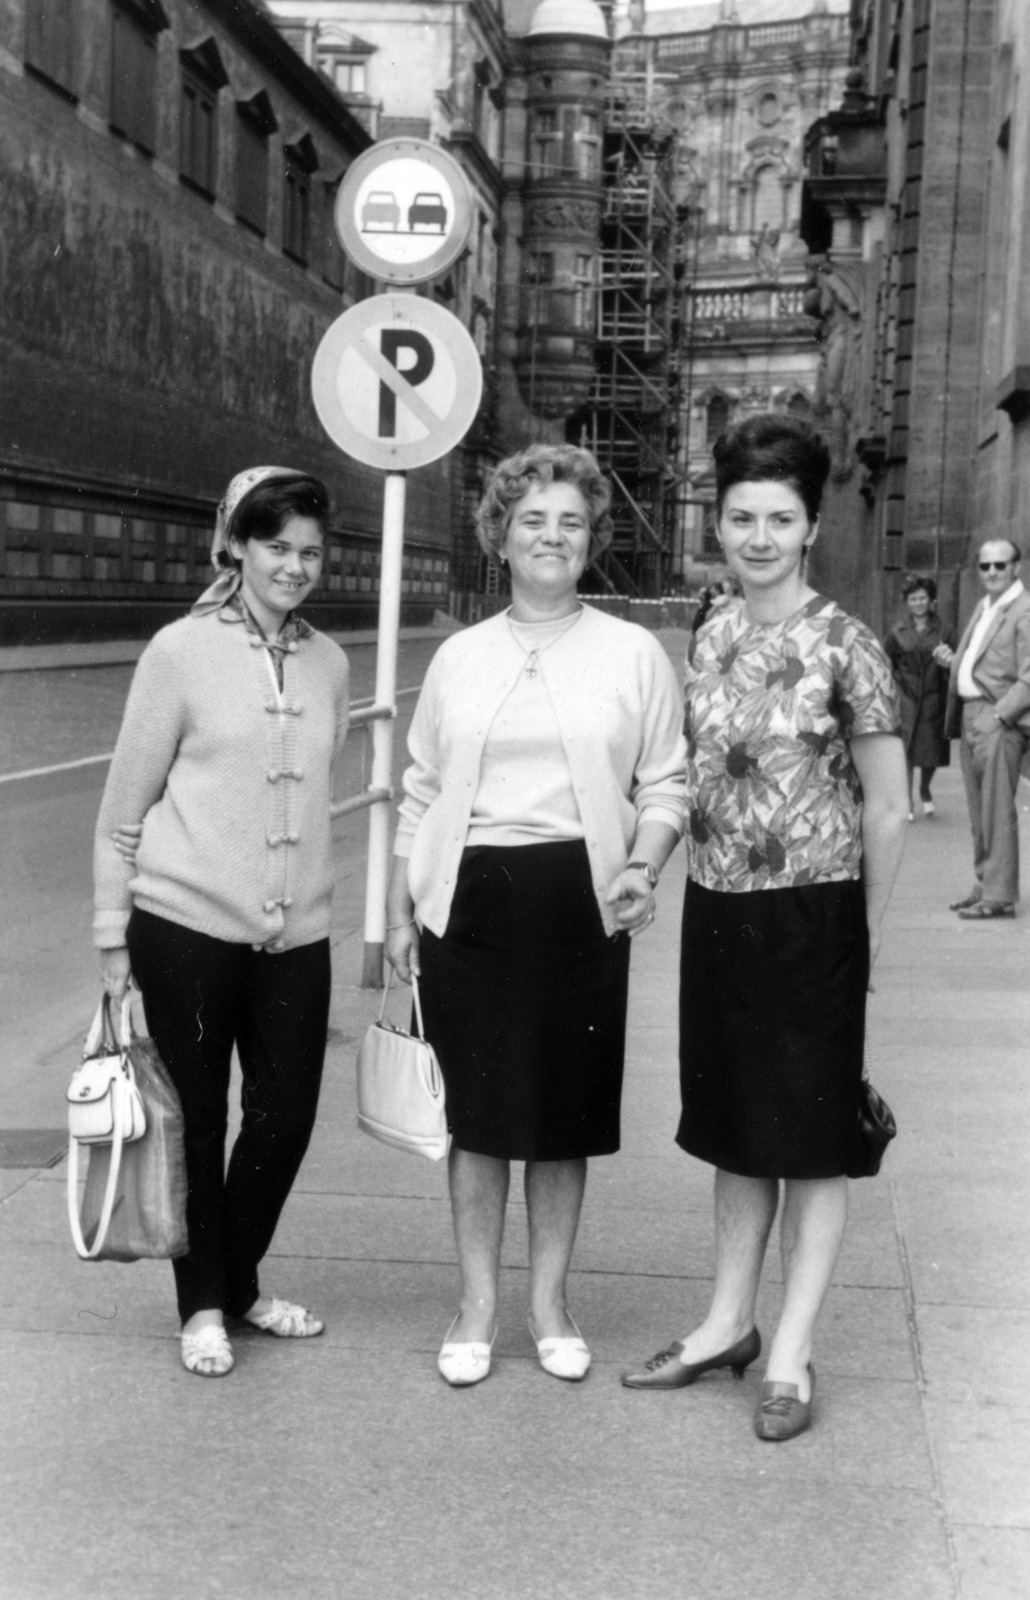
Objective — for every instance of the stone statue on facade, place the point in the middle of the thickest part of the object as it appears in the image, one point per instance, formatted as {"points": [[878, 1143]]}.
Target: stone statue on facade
{"points": [[832, 299], [766, 246]]}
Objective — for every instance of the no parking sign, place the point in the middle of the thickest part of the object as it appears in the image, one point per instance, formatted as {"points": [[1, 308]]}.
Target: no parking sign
{"points": [[396, 381]]}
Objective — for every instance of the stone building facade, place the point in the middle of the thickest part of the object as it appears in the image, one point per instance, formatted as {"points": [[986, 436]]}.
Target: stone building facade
{"points": [[741, 90], [167, 269], [914, 206]]}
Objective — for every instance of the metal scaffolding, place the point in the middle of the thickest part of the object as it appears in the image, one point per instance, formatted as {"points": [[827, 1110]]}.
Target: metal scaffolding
{"points": [[632, 420]]}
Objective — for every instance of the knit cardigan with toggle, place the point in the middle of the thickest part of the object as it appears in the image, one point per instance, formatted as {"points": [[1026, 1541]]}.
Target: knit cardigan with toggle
{"points": [[620, 715], [232, 781]]}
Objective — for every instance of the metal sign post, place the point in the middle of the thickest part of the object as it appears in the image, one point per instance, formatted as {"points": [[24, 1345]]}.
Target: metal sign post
{"points": [[396, 383], [378, 869]]}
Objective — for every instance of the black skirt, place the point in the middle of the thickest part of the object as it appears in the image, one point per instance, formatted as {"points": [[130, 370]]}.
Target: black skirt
{"points": [[524, 1001], [772, 1028]]}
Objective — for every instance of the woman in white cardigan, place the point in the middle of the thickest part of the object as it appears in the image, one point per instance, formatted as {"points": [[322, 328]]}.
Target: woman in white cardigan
{"points": [[545, 795], [213, 868]]}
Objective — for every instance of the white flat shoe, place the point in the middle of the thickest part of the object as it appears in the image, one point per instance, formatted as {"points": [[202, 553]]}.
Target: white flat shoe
{"points": [[285, 1321], [207, 1353], [567, 1358], [928, 808], [464, 1364]]}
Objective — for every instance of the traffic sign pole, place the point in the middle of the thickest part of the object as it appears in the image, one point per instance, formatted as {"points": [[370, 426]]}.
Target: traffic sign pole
{"points": [[378, 870], [396, 383]]}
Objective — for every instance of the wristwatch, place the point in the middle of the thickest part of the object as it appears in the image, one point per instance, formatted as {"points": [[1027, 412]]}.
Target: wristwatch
{"points": [[650, 872]]}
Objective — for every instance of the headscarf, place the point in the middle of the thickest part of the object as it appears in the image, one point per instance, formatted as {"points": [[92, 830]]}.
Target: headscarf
{"points": [[229, 578]]}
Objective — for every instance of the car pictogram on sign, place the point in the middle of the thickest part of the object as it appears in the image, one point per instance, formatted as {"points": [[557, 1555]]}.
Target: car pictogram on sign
{"points": [[428, 211], [380, 212]]}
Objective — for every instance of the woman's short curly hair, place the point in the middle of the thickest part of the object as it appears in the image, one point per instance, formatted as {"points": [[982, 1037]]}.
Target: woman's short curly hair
{"points": [[914, 582], [773, 445], [541, 464]]}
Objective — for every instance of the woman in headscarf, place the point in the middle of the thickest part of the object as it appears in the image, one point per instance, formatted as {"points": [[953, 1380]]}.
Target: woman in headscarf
{"points": [[213, 869]]}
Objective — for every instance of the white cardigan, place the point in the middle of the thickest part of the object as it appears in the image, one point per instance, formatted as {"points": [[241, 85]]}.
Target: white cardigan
{"points": [[620, 715]]}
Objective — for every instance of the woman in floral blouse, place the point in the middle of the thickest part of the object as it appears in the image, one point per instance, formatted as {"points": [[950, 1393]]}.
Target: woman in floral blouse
{"points": [[797, 801]]}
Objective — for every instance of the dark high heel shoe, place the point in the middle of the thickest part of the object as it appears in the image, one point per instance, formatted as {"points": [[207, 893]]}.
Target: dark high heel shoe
{"points": [[781, 1415], [667, 1371]]}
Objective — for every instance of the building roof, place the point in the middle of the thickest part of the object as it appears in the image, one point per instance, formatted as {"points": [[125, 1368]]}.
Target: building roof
{"points": [[696, 16], [582, 17]]}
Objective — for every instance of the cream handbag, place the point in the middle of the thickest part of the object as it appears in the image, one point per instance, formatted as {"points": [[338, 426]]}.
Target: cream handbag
{"points": [[104, 1107], [400, 1089]]}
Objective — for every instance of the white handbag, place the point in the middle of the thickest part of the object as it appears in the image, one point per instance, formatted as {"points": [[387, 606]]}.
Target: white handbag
{"points": [[400, 1087], [104, 1107]]}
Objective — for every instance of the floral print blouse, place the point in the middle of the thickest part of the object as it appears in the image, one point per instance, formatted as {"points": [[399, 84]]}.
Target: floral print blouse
{"points": [[773, 795]]}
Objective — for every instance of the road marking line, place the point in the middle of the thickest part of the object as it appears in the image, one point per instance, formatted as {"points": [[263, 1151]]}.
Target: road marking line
{"points": [[62, 766], [94, 761]]}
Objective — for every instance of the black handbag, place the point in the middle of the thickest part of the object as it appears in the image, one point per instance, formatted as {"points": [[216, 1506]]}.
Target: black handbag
{"points": [[876, 1129]]}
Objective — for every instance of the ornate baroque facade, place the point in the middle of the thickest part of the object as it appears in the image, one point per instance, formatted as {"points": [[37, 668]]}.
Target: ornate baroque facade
{"points": [[741, 92]]}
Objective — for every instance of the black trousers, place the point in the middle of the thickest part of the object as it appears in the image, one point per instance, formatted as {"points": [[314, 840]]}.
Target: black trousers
{"points": [[201, 996]]}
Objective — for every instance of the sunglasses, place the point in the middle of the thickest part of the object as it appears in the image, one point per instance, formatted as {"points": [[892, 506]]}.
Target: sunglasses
{"points": [[995, 566]]}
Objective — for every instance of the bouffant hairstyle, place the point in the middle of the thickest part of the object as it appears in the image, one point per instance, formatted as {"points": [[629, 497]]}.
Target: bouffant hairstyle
{"points": [[266, 509], [777, 446], [534, 468], [914, 582]]}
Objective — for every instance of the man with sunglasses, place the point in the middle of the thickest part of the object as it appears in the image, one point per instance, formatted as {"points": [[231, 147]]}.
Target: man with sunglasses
{"points": [[989, 706]]}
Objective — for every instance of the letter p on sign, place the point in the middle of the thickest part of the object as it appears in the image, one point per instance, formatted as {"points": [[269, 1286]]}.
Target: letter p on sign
{"points": [[391, 342]]}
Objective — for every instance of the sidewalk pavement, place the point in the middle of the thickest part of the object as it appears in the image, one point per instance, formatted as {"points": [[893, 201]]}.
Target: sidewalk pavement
{"points": [[122, 652], [344, 1468]]}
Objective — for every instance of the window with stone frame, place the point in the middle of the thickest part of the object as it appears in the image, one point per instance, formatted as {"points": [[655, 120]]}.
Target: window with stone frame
{"points": [[717, 417], [203, 75], [50, 41], [334, 262], [255, 123], [588, 146], [584, 300], [301, 162], [539, 275], [135, 25], [546, 143]]}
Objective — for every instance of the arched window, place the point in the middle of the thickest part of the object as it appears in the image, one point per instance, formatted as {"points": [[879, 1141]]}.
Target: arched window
{"points": [[768, 199], [717, 417]]}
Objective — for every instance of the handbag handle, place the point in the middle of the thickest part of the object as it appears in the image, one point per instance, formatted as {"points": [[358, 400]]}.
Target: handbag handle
{"points": [[101, 1030], [91, 1253], [415, 996]]}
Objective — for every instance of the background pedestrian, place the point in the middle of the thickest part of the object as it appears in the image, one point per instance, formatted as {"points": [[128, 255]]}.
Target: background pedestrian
{"points": [[920, 653]]}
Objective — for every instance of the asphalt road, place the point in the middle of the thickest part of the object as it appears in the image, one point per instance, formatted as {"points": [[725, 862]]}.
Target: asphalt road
{"points": [[47, 963]]}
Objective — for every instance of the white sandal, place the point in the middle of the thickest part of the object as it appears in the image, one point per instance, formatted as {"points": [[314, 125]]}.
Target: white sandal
{"points": [[208, 1344], [286, 1321]]}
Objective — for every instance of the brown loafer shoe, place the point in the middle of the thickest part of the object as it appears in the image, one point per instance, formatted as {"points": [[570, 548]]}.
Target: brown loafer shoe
{"points": [[781, 1415], [983, 910], [667, 1371]]}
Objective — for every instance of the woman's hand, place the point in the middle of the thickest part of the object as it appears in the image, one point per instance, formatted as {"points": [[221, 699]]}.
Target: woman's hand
{"points": [[115, 971], [126, 839], [943, 654], [633, 898], [401, 950]]}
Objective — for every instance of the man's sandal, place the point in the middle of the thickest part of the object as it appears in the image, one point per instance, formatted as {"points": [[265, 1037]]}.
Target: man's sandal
{"points": [[207, 1353], [285, 1321]]}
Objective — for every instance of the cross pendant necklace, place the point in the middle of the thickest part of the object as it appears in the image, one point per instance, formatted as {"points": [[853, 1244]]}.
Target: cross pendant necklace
{"points": [[533, 656]]}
